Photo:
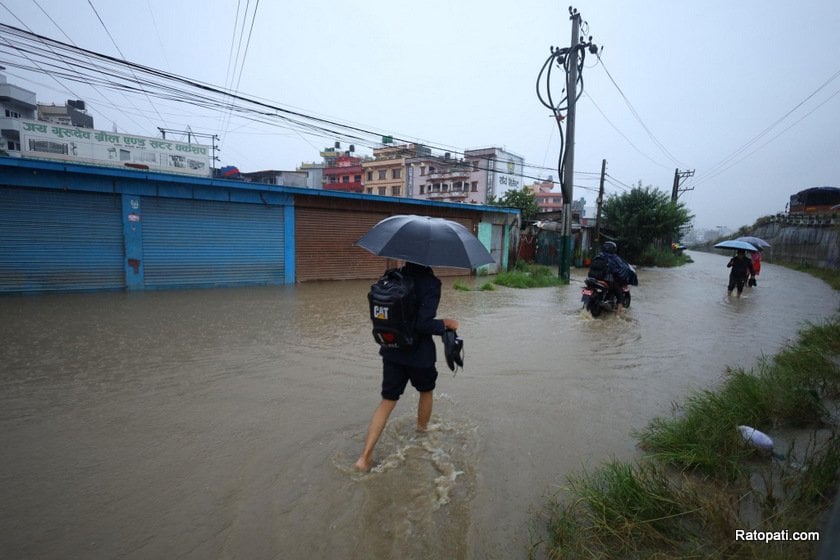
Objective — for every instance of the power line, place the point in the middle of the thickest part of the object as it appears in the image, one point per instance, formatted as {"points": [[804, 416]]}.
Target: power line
{"points": [[70, 62], [635, 113]]}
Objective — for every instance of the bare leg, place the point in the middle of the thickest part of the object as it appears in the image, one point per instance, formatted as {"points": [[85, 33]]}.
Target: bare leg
{"points": [[377, 424], [424, 410]]}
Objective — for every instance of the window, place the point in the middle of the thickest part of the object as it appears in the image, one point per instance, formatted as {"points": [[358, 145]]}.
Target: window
{"points": [[423, 188], [474, 186], [396, 173], [370, 176], [436, 187], [12, 114], [48, 147], [383, 175], [395, 191], [475, 165], [151, 157], [431, 170], [357, 178], [370, 190], [12, 145], [383, 190], [333, 179], [345, 179], [422, 170], [125, 155]]}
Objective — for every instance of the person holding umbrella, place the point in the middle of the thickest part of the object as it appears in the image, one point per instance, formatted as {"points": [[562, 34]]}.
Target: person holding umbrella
{"points": [[742, 268], [421, 242]]}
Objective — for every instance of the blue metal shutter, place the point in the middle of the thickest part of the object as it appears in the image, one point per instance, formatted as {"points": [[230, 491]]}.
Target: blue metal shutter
{"points": [[60, 241], [197, 243]]}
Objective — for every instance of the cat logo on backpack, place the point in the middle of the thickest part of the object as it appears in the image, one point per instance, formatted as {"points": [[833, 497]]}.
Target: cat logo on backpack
{"points": [[393, 310]]}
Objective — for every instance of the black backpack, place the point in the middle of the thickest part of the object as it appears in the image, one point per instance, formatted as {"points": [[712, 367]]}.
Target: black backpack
{"points": [[393, 310], [599, 268]]}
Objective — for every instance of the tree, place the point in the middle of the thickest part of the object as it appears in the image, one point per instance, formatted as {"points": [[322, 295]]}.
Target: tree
{"points": [[524, 199], [643, 216]]}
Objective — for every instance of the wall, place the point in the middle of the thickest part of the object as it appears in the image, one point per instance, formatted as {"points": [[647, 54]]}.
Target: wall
{"points": [[817, 246]]}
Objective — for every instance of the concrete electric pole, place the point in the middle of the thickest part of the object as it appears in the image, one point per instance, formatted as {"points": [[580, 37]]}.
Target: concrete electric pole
{"points": [[570, 60], [566, 240]]}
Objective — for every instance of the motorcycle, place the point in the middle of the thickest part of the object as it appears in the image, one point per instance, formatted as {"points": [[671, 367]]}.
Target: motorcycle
{"points": [[597, 297]]}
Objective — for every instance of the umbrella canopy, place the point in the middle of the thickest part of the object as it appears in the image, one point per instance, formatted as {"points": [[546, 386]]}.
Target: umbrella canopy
{"points": [[757, 241], [427, 241], [736, 244]]}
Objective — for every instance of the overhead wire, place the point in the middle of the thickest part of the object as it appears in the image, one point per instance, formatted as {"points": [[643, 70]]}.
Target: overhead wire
{"points": [[72, 63], [730, 160], [108, 32], [636, 115]]}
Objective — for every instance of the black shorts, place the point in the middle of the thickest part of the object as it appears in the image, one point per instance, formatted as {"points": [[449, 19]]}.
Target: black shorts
{"points": [[396, 376]]}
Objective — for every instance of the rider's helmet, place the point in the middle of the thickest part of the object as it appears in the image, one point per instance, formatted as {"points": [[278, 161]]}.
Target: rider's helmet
{"points": [[610, 247]]}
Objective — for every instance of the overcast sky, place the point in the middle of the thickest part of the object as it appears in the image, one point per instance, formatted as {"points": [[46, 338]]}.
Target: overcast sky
{"points": [[744, 93]]}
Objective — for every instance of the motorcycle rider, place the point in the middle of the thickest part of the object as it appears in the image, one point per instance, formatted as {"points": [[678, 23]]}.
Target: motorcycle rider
{"points": [[620, 273]]}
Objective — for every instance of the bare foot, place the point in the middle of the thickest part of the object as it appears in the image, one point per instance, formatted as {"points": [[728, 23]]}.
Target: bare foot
{"points": [[362, 465]]}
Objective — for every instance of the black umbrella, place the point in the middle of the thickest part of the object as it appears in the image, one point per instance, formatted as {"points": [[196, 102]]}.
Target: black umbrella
{"points": [[427, 241]]}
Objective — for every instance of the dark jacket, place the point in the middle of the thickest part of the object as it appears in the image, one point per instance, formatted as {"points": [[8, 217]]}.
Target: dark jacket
{"points": [[741, 266], [427, 290]]}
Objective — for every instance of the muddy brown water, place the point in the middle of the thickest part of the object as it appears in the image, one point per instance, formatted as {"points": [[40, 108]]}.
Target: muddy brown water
{"points": [[223, 423]]}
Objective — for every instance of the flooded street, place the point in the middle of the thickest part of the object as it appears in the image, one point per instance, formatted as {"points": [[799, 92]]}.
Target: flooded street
{"points": [[224, 423]]}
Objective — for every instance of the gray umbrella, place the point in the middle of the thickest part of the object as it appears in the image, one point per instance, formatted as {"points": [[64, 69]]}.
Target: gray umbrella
{"points": [[757, 241], [427, 241]]}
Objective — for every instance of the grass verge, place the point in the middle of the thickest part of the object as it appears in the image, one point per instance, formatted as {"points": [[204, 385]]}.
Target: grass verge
{"points": [[529, 276]]}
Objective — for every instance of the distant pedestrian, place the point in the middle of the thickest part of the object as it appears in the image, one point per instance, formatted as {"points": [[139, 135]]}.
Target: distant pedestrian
{"points": [[742, 269], [756, 262]]}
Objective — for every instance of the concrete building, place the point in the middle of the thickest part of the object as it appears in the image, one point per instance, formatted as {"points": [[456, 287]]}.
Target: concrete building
{"points": [[314, 174], [72, 113], [344, 175], [275, 177], [548, 199], [441, 178], [495, 171], [16, 103], [385, 174]]}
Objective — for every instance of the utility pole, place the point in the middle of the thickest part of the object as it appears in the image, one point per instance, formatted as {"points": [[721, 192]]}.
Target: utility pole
{"points": [[600, 201], [678, 177], [570, 60], [566, 239], [676, 190]]}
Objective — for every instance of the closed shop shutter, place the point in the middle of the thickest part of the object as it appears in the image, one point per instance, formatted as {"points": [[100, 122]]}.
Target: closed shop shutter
{"points": [[324, 244], [325, 250], [196, 243], [60, 241]]}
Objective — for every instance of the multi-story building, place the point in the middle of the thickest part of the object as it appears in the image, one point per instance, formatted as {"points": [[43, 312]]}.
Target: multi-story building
{"points": [[386, 173], [495, 171], [314, 174], [441, 178], [548, 200], [16, 103], [344, 175], [73, 113]]}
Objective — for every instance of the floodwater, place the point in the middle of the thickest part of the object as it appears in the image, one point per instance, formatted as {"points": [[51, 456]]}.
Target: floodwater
{"points": [[224, 423]]}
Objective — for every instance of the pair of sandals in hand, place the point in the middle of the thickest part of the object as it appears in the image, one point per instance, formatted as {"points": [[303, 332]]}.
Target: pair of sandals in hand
{"points": [[453, 349]]}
